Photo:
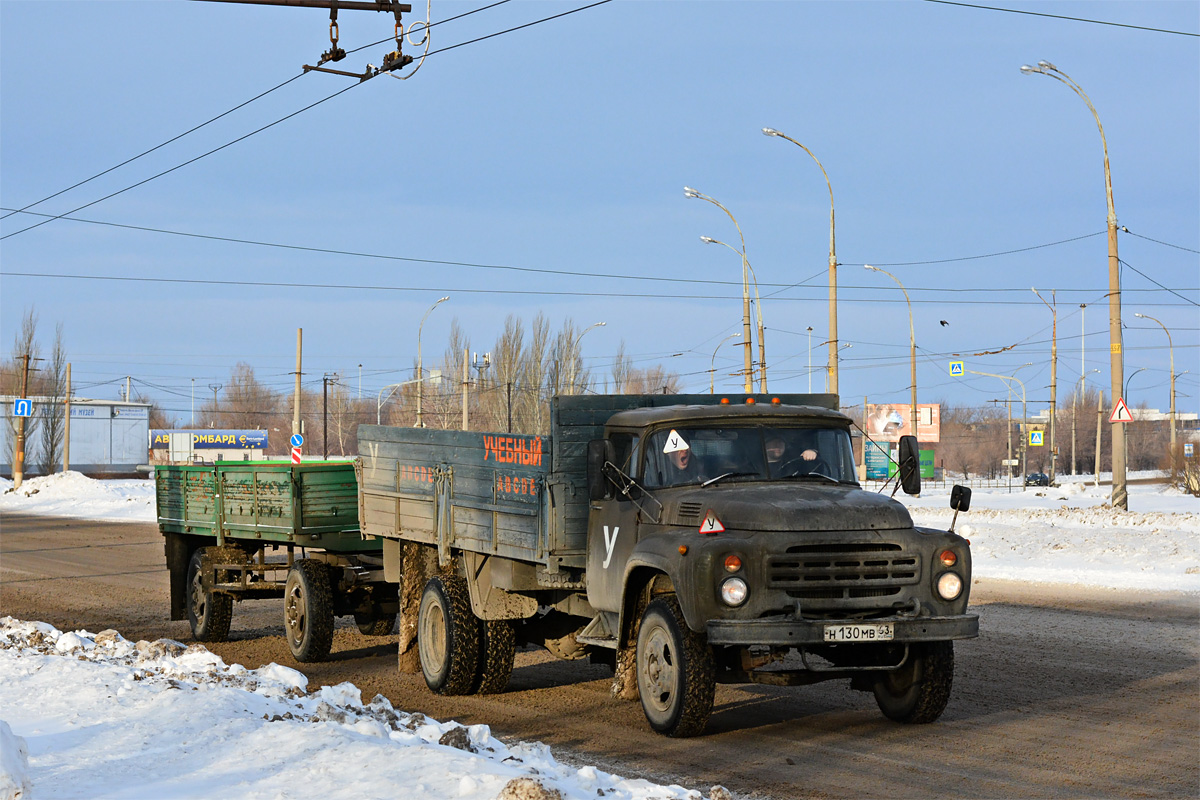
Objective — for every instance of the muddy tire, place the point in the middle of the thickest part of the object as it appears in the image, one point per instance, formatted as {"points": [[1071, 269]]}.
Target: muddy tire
{"points": [[375, 625], [308, 611], [675, 673], [917, 692], [448, 637], [209, 613], [497, 651]]}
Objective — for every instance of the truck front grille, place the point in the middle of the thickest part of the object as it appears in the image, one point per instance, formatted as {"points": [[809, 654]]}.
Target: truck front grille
{"points": [[843, 571]]}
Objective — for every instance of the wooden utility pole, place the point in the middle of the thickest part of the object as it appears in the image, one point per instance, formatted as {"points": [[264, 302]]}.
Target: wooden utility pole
{"points": [[18, 466], [466, 382], [296, 399], [67, 423]]}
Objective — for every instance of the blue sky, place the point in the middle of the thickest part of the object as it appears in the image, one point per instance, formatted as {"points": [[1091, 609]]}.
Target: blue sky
{"points": [[566, 146]]}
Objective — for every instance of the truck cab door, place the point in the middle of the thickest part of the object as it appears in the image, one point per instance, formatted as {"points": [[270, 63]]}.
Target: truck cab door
{"points": [[612, 533]]}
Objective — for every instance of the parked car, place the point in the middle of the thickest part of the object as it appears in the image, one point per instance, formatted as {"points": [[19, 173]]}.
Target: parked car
{"points": [[1037, 479]]}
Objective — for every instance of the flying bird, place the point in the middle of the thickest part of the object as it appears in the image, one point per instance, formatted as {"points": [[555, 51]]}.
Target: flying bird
{"points": [[944, 323]]}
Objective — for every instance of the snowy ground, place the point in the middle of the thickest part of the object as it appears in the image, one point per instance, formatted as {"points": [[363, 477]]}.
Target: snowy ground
{"points": [[96, 716]]}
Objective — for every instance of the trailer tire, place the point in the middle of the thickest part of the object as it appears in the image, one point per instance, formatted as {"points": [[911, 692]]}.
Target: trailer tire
{"points": [[374, 624], [308, 610], [497, 651], [209, 613], [676, 675], [448, 636], [918, 691]]}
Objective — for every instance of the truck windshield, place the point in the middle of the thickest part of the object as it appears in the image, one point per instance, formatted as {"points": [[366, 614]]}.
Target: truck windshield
{"points": [[686, 455]]}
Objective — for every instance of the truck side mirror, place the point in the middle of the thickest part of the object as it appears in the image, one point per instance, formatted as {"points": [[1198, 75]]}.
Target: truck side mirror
{"points": [[910, 465], [599, 453], [960, 498]]}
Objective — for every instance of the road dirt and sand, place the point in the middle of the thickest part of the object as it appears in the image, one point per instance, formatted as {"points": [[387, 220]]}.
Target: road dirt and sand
{"points": [[1069, 692]]}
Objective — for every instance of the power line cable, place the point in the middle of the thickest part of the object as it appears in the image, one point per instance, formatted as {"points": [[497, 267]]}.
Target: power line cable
{"points": [[985, 255], [1060, 16], [1156, 283], [1156, 241], [293, 114]]}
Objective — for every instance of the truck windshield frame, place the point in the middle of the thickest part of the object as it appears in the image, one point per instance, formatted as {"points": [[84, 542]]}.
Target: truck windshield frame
{"points": [[692, 454]]}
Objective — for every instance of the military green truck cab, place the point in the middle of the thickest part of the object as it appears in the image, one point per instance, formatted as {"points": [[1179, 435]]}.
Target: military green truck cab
{"points": [[733, 543]]}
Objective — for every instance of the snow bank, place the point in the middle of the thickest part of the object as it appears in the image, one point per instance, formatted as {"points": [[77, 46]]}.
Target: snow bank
{"points": [[104, 717], [72, 494]]}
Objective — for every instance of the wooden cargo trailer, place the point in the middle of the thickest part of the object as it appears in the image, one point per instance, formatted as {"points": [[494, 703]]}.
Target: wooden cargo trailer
{"points": [[241, 530]]}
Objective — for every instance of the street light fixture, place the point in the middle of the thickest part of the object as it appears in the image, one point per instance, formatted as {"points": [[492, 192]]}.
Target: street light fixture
{"points": [[1053, 378], [833, 330], [912, 344], [1128, 381], [571, 355], [1120, 493], [749, 370], [762, 338], [1024, 414], [420, 365], [713, 362], [1171, 347]]}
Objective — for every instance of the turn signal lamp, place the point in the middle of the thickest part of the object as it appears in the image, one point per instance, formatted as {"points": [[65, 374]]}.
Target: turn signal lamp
{"points": [[749, 401], [775, 401], [683, 548], [724, 401], [732, 563], [948, 558]]}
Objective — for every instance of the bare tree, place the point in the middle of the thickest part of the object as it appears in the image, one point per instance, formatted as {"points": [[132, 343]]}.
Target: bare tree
{"points": [[622, 364], [534, 416], [652, 380], [53, 387]]}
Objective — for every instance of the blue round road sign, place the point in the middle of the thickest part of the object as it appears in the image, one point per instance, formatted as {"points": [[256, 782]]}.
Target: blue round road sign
{"points": [[297, 440]]}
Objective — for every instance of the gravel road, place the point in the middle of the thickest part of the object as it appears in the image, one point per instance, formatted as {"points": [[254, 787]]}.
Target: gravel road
{"points": [[1068, 693]]}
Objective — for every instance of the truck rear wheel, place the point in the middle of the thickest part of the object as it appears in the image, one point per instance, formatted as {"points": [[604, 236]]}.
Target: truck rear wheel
{"points": [[308, 610], [209, 613], [497, 651], [374, 624], [448, 636], [675, 673], [917, 692]]}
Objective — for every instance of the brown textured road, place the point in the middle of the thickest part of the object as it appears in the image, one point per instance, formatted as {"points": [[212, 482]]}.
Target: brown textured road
{"points": [[1067, 694]]}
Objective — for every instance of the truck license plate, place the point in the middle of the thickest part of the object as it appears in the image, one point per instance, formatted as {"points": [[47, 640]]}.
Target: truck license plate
{"points": [[859, 633]]}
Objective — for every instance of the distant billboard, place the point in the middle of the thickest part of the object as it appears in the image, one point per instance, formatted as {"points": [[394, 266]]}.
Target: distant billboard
{"points": [[887, 422], [210, 439]]}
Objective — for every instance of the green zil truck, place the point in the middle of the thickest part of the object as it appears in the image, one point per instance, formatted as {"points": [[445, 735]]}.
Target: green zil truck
{"points": [[685, 540]]}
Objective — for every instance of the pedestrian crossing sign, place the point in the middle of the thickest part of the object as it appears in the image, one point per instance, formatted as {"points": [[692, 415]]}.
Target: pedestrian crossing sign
{"points": [[1035, 438], [956, 368]]}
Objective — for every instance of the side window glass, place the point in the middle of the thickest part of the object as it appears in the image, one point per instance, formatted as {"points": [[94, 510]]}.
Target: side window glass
{"points": [[623, 446]]}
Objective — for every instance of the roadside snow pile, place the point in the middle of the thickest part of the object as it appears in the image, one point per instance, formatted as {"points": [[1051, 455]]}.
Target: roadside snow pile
{"points": [[105, 717], [72, 494]]}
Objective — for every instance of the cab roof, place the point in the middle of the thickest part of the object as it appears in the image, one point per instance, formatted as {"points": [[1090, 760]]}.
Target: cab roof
{"points": [[740, 413]]}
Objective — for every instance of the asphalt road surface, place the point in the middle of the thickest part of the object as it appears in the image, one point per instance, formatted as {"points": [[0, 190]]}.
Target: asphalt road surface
{"points": [[1067, 693]]}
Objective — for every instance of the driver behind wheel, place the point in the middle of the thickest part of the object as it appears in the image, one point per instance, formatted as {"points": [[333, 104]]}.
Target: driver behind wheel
{"points": [[776, 448]]}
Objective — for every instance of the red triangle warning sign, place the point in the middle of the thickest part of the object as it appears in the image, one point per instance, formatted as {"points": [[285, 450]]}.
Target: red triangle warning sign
{"points": [[1120, 412], [711, 524]]}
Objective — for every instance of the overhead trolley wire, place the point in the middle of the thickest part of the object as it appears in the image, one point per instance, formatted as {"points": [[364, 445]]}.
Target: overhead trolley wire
{"points": [[1061, 16]]}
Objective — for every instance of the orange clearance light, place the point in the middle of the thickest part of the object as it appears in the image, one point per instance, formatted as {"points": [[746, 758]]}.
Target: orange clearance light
{"points": [[749, 401], [948, 558], [775, 401], [724, 401], [732, 563], [683, 549]]}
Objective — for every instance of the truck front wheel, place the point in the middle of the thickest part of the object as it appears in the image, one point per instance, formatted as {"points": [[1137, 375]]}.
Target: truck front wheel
{"points": [[448, 636], [497, 651], [675, 672], [308, 610], [209, 613], [918, 691]]}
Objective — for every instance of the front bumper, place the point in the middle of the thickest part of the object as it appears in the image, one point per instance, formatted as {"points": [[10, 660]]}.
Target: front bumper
{"points": [[788, 631]]}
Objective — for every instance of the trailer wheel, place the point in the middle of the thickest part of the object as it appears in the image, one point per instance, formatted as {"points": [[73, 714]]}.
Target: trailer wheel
{"points": [[448, 636], [308, 610], [373, 624], [209, 613], [675, 672], [918, 691], [497, 650]]}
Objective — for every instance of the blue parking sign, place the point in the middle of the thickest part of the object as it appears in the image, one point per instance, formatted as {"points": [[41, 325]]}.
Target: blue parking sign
{"points": [[22, 407]]}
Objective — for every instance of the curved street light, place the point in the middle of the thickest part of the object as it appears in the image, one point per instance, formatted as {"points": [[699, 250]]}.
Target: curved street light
{"points": [[912, 344], [1053, 377], [713, 362], [749, 370], [1128, 381], [420, 365], [1024, 413], [833, 334], [1075, 398], [762, 338], [1120, 492], [571, 383], [1171, 347]]}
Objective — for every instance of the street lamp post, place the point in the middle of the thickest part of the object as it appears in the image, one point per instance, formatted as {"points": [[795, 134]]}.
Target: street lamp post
{"points": [[1129, 380], [1053, 379], [749, 371], [571, 355], [1024, 411], [1171, 347], [762, 336], [912, 345], [420, 364], [1120, 493], [810, 359], [712, 371], [833, 330]]}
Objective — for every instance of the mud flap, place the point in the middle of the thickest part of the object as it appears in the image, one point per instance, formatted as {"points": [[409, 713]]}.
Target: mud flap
{"points": [[178, 550]]}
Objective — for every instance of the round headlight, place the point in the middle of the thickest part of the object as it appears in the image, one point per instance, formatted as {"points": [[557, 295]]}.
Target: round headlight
{"points": [[734, 591], [949, 586]]}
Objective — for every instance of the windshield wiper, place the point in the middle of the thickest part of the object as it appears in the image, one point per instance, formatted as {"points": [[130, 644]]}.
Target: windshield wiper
{"points": [[711, 481], [820, 475]]}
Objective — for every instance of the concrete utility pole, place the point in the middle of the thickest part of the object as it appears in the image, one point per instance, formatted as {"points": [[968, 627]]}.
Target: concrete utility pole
{"points": [[1171, 347], [912, 345], [296, 399], [466, 383], [420, 364], [1053, 378], [67, 422], [326, 379]]}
